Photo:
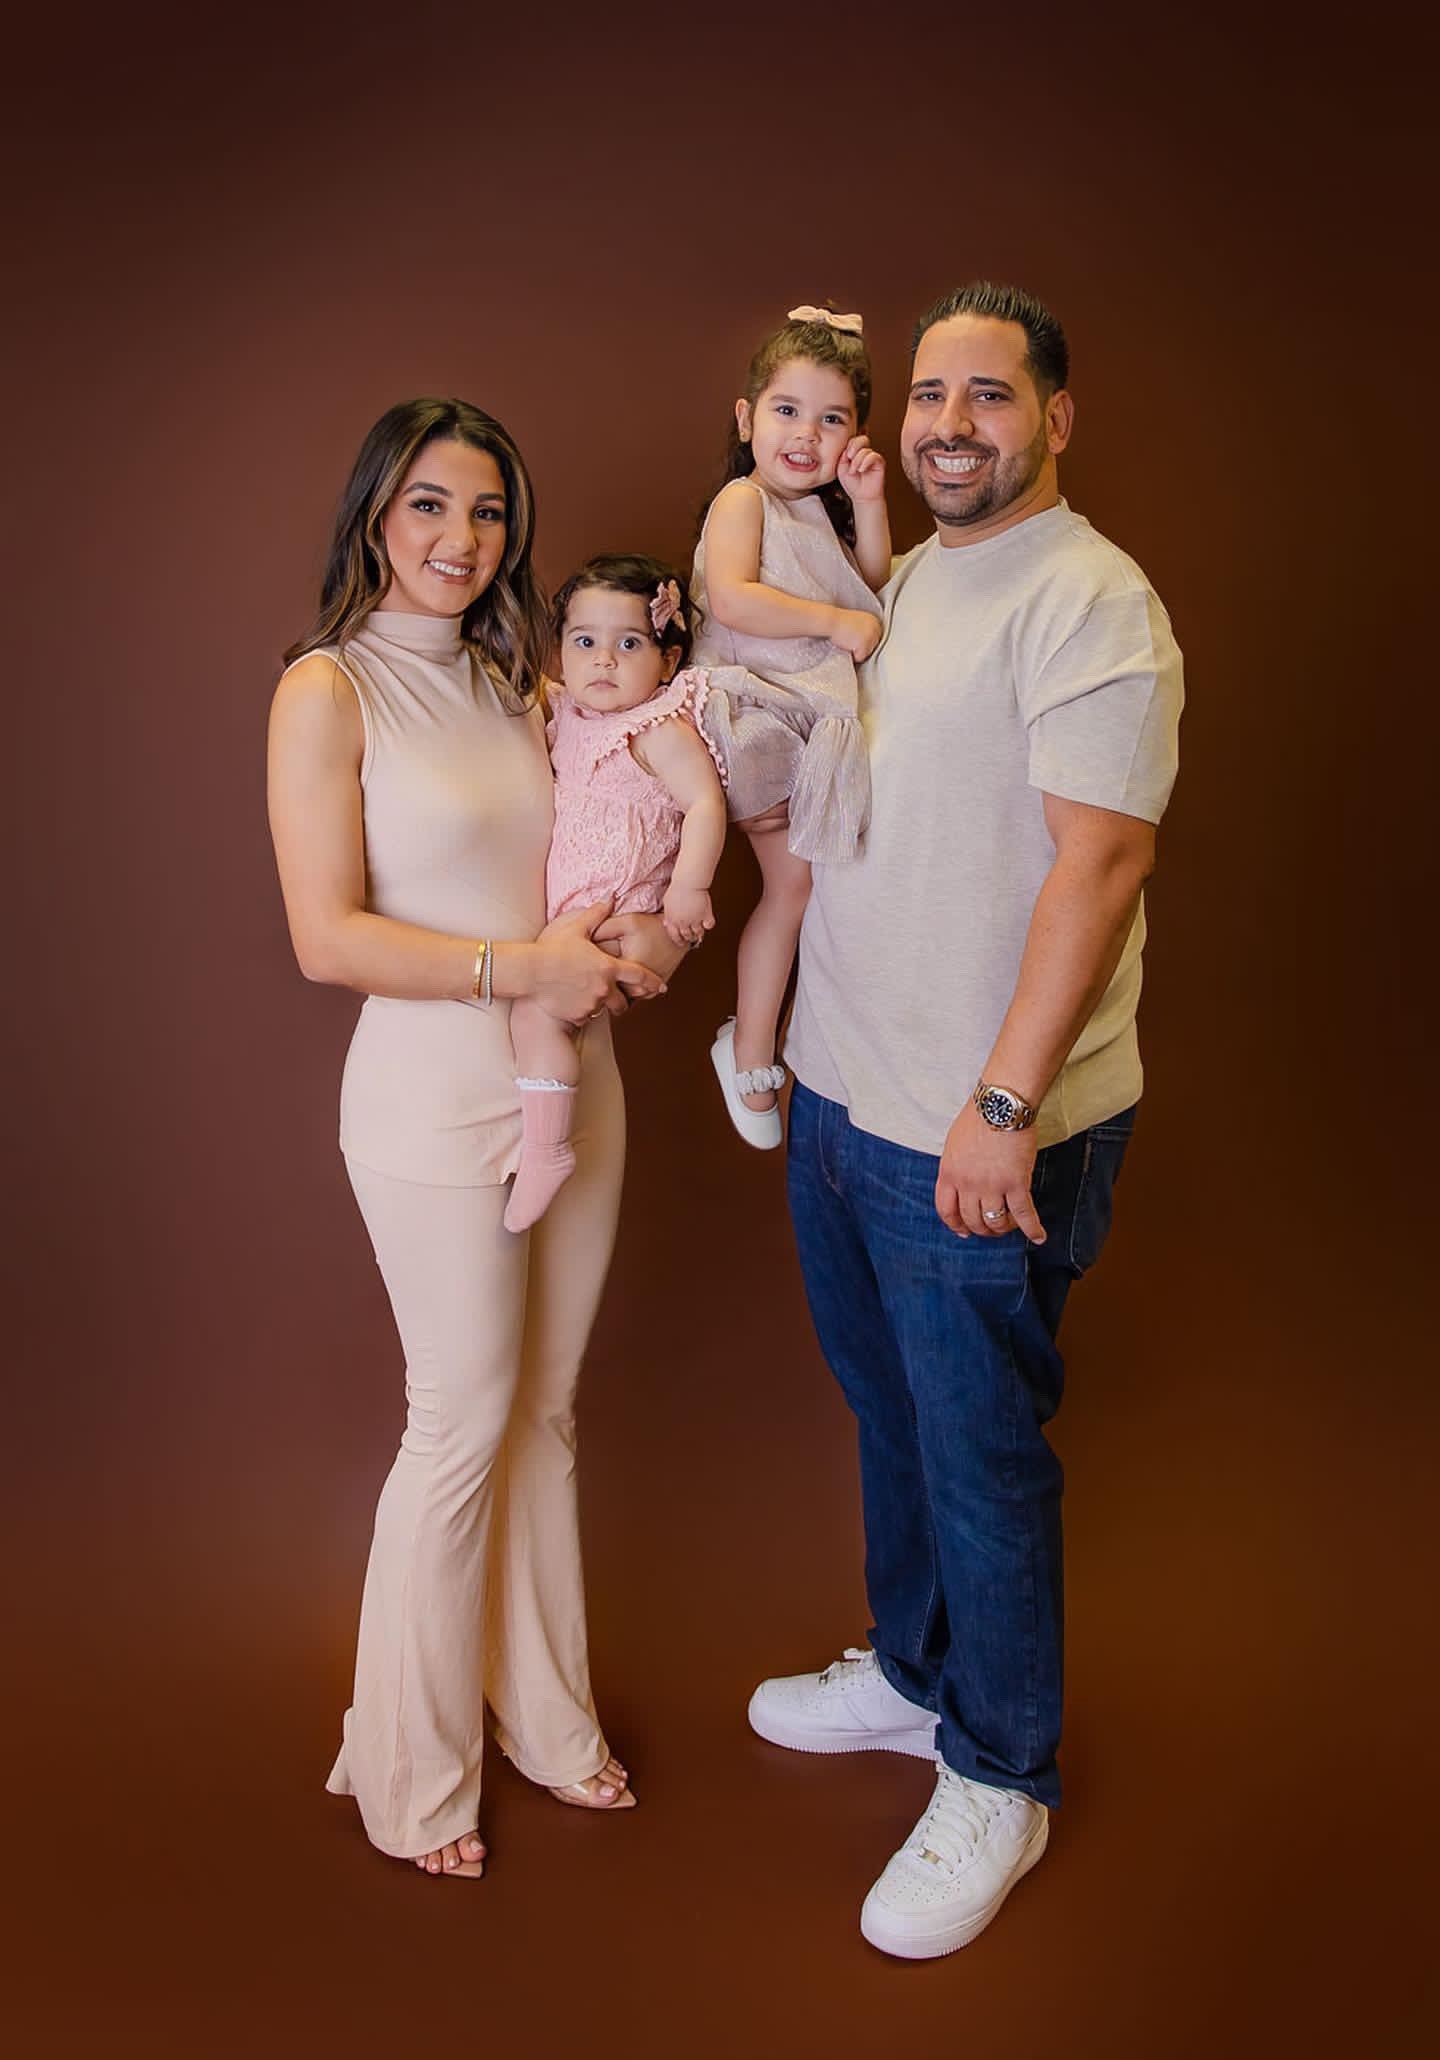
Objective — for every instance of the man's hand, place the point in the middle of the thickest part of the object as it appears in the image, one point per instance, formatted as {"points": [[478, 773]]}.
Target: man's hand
{"points": [[984, 1184]]}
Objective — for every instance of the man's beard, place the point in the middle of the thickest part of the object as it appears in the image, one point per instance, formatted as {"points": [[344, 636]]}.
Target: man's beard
{"points": [[1004, 480]]}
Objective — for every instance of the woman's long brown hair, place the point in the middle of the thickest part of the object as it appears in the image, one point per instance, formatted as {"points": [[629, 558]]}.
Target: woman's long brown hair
{"points": [[507, 625]]}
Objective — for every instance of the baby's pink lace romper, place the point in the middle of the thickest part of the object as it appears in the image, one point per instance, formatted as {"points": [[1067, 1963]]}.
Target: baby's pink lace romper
{"points": [[617, 828]]}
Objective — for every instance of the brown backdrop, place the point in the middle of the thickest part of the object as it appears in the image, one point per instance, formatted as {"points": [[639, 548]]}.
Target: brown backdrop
{"points": [[241, 240]]}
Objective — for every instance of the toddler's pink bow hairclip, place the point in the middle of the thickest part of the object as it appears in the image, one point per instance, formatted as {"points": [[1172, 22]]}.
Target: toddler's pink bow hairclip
{"points": [[665, 608], [851, 324]]}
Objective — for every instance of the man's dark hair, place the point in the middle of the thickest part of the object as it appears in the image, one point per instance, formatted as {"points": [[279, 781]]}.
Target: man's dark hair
{"points": [[1048, 355]]}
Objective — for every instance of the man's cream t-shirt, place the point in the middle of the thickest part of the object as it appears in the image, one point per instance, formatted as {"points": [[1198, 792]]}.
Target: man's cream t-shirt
{"points": [[1037, 662]]}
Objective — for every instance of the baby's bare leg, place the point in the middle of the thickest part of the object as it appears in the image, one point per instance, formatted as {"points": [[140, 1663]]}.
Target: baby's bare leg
{"points": [[544, 1048], [767, 945]]}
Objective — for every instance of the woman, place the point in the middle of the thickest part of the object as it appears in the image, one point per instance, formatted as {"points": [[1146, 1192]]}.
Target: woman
{"points": [[410, 803]]}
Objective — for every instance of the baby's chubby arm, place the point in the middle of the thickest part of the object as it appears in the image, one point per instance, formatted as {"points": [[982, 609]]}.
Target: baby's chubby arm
{"points": [[676, 755], [862, 474], [737, 597]]}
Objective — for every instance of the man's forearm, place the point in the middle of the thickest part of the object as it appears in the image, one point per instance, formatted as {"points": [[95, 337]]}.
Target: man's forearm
{"points": [[1077, 933]]}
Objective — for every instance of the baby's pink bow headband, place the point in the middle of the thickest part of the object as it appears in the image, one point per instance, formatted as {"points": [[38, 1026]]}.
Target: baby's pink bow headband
{"points": [[851, 324], [665, 608]]}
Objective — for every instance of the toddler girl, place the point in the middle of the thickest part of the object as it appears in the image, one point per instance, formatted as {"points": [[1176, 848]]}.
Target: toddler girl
{"points": [[791, 553], [639, 815]]}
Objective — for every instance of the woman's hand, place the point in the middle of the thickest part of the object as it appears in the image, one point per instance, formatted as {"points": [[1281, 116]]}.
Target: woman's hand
{"points": [[643, 938], [861, 471], [573, 979], [688, 914], [855, 632]]}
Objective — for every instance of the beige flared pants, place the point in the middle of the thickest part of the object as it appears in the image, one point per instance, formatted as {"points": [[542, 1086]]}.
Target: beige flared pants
{"points": [[473, 1592]]}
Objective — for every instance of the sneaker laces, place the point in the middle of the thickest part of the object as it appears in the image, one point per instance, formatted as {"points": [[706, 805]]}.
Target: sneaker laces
{"points": [[841, 1672], [954, 1827]]}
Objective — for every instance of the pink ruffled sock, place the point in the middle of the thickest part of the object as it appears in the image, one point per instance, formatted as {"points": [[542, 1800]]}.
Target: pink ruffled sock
{"points": [[547, 1157]]}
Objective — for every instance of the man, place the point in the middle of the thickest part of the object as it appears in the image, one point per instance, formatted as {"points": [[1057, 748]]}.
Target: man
{"points": [[966, 1077]]}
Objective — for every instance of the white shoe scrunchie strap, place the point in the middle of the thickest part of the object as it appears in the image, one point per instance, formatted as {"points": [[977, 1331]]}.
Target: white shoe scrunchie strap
{"points": [[760, 1080]]}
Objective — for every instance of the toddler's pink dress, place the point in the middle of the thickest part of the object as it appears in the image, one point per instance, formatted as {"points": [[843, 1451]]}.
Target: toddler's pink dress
{"points": [[617, 828], [783, 709]]}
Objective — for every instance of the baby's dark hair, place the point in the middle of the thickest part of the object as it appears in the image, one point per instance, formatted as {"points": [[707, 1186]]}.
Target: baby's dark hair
{"points": [[818, 343], [629, 573]]}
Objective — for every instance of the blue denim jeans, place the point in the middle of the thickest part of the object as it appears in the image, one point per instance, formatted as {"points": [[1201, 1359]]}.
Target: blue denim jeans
{"points": [[945, 1348]]}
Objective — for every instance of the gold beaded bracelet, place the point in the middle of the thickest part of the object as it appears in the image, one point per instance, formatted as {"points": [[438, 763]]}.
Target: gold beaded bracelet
{"points": [[482, 987]]}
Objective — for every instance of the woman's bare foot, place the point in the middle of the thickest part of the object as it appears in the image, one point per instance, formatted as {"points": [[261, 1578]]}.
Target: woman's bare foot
{"points": [[463, 1861], [607, 1790]]}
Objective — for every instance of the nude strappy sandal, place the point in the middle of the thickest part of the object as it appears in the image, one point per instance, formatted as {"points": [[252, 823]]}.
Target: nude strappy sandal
{"points": [[579, 1797]]}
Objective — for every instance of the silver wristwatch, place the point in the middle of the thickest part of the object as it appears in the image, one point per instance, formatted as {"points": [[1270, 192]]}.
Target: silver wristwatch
{"points": [[1002, 1108]]}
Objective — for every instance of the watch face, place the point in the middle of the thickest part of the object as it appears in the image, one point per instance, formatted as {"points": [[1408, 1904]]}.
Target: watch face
{"points": [[998, 1108]]}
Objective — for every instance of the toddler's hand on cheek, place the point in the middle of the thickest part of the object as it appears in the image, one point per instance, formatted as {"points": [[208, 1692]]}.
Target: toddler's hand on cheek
{"points": [[861, 470]]}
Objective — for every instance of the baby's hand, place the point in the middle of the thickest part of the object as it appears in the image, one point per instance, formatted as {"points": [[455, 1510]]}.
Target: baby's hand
{"points": [[861, 470], [856, 632], [688, 914]]}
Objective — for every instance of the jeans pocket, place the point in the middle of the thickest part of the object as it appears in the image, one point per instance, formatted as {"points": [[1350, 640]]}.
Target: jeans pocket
{"points": [[1094, 1199], [889, 1173]]}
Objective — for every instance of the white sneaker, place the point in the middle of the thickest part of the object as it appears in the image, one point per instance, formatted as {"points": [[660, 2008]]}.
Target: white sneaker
{"points": [[851, 1707], [955, 1869], [760, 1127]]}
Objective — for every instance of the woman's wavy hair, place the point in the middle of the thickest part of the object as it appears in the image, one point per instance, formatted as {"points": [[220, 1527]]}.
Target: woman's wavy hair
{"points": [[818, 344], [630, 573], [506, 625]]}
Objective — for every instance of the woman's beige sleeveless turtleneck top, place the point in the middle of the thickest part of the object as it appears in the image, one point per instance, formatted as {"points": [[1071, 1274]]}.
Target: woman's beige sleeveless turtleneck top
{"points": [[458, 805]]}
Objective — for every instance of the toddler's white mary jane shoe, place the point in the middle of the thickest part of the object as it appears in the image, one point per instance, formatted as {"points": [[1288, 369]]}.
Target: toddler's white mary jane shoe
{"points": [[762, 1128]]}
